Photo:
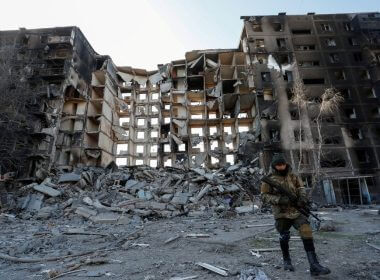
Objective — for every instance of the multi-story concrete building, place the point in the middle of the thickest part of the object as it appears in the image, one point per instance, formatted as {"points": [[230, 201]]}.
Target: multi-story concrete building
{"points": [[200, 110], [338, 51]]}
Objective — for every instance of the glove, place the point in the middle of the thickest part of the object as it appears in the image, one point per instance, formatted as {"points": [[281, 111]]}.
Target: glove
{"points": [[303, 203], [284, 200]]}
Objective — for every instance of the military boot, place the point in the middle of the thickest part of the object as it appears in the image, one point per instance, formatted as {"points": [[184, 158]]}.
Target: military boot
{"points": [[284, 244], [315, 267]]}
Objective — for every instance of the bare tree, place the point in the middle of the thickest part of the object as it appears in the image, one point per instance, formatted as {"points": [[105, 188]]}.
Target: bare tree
{"points": [[329, 104], [299, 98]]}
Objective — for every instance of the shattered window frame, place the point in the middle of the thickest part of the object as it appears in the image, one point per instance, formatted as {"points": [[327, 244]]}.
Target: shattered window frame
{"points": [[326, 27], [334, 57], [257, 27], [266, 77], [330, 42]]}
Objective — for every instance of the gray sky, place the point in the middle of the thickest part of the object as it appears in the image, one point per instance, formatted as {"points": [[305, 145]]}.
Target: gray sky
{"points": [[144, 33]]}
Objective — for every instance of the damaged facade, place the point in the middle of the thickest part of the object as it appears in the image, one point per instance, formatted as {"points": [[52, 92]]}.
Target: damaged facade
{"points": [[212, 108]]}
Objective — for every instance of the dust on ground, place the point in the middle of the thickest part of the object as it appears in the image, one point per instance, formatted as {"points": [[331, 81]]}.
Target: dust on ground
{"points": [[141, 249]]}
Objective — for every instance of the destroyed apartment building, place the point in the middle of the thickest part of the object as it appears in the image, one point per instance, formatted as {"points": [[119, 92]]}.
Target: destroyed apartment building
{"points": [[64, 106]]}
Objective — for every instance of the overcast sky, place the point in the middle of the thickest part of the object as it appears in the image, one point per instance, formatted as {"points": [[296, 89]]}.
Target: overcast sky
{"points": [[144, 33]]}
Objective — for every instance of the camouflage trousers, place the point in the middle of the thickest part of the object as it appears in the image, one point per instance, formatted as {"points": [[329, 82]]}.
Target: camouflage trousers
{"points": [[301, 224]]}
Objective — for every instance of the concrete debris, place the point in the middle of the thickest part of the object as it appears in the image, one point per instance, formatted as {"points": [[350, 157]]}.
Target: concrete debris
{"points": [[105, 218], [155, 78], [253, 253], [328, 226], [244, 209], [32, 202], [211, 63], [369, 212], [47, 190], [102, 195], [165, 87], [85, 212], [69, 177], [105, 145], [46, 212], [180, 198], [253, 274]]}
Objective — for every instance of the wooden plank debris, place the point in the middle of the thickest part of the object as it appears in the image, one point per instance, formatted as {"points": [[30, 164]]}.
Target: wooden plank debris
{"points": [[293, 238], [67, 273], [80, 231], [171, 239], [266, 250], [51, 259], [184, 278], [374, 246], [142, 245], [197, 235], [253, 253], [259, 225], [213, 268]]}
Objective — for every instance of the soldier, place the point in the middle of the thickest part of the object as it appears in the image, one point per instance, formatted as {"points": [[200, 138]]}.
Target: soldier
{"points": [[287, 216]]}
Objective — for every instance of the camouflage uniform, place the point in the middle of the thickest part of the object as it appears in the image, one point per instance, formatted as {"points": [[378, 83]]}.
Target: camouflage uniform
{"points": [[287, 216]]}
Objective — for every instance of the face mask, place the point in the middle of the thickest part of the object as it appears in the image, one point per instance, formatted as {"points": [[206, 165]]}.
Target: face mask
{"points": [[283, 172]]}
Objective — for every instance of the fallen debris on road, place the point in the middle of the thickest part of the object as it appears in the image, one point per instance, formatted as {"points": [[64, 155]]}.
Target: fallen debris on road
{"points": [[213, 268]]}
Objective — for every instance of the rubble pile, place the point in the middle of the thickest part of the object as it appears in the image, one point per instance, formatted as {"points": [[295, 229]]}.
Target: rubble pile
{"points": [[110, 195]]}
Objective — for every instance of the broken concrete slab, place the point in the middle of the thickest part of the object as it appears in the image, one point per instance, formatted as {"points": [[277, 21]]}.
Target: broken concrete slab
{"points": [[88, 201], [142, 213], [211, 63], [165, 87], [46, 212], [166, 197], [244, 209], [69, 178], [85, 212], [234, 167], [105, 218], [155, 78], [32, 202], [180, 198], [231, 188], [142, 205], [157, 206], [47, 190], [130, 183], [144, 195], [201, 194]]}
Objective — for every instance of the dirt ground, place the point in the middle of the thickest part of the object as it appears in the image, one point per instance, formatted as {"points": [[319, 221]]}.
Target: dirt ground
{"points": [[136, 249]]}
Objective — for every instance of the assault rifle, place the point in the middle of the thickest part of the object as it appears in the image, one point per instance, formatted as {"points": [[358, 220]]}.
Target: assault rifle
{"points": [[292, 198]]}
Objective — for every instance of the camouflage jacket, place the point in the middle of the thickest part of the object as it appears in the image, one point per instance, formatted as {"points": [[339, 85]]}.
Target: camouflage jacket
{"points": [[294, 184]]}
